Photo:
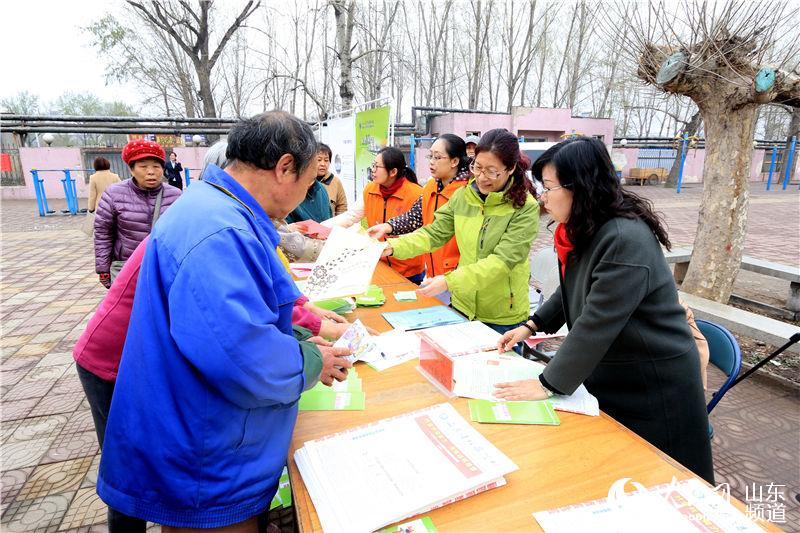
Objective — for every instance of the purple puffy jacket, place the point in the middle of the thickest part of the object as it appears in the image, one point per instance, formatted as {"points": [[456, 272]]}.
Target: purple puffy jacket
{"points": [[123, 218]]}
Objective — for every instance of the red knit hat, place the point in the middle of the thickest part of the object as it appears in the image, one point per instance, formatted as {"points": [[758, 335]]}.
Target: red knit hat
{"points": [[143, 149]]}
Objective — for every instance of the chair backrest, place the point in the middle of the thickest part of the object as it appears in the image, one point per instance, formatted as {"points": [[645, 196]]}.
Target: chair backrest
{"points": [[724, 353], [544, 271]]}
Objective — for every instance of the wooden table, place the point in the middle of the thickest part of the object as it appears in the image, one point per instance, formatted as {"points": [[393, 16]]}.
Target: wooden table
{"points": [[558, 465]]}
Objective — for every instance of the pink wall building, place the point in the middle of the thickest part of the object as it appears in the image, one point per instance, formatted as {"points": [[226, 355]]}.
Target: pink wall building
{"points": [[532, 123], [51, 163]]}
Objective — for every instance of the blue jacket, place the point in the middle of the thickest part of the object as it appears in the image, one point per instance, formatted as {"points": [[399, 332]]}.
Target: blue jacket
{"points": [[206, 397], [316, 206]]}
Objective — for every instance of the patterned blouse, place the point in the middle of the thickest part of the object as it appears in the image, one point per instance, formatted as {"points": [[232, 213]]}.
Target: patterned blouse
{"points": [[411, 220]]}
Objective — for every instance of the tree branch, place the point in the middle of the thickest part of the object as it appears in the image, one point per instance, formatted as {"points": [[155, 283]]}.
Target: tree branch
{"points": [[248, 10]]}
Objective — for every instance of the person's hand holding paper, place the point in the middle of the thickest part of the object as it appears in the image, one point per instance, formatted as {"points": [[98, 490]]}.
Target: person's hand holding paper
{"points": [[334, 364]]}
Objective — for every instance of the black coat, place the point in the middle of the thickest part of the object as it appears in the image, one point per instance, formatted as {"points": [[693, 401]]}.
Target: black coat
{"points": [[630, 343], [174, 174]]}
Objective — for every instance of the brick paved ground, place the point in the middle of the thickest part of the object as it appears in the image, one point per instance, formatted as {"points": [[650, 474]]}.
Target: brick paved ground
{"points": [[49, 291]]}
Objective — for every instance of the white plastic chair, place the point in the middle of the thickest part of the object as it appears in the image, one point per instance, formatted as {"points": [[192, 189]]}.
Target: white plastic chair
{"points": [[544, 273]]}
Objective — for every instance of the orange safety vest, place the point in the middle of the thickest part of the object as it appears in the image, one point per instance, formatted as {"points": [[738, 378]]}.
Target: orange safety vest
{"points": [[377, 211], [445, 259]]}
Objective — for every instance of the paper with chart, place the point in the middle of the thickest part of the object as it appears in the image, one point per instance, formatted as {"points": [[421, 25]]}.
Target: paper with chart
{"points": [[344, 266], [679, 506], [475, 375], [397, 467], [464, 338]]}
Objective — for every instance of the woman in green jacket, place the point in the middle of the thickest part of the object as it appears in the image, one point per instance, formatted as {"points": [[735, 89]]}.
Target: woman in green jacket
{"points": [[494, 220]]}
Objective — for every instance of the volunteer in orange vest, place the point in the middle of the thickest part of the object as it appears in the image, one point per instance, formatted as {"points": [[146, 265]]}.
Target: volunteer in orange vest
{"points": [[449, 166], [392, 192]]}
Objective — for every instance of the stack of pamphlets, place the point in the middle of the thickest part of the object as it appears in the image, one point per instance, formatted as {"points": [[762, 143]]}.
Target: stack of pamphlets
{"points": [[340, 306], [283, 498], [462, 360], [374, 297], [365, 478], [426, 317], [489, 412], [340, 396], [688, 505]]}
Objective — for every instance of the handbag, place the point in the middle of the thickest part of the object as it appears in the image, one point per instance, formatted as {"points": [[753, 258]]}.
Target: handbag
{"points": [[116, 266], [87, 226]]}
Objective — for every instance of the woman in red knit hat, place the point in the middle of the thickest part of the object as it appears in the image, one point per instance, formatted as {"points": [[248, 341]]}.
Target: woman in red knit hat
{"points": [[128, 210]]}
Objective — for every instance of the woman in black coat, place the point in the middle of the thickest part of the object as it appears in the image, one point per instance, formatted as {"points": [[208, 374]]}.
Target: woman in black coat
{"points": [[628, 340]]}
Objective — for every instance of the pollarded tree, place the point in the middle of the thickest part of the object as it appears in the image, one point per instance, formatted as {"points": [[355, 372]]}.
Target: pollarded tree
{"points": [[729, 58]]}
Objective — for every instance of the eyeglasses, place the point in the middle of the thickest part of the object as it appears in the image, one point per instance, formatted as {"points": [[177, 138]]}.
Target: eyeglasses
{"points": [[434, 158], [490, 173], [545, 190], [373, 166]]}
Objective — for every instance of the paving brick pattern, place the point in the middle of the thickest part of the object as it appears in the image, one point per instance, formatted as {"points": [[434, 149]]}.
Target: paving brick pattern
{"points": [[49, 291]]}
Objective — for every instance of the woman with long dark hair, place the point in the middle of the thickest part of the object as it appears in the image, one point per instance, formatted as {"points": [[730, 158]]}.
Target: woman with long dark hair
{"points": [[449, 166], [392, 192], [628, 338], [494, 219]]}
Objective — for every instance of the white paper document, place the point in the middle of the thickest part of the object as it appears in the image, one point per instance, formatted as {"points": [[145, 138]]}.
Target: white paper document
{"points": [[368, 477], [475, 375], [344, 266], [396, 347], [463, 338], [580, 401], [679, 506]]}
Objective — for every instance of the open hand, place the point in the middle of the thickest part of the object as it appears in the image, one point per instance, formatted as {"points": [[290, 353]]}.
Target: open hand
{"points": [[380, 231], [526, 389], [324, 313]]}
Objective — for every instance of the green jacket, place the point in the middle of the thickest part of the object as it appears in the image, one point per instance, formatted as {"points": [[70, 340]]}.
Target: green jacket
{"points": [[491, 281]]}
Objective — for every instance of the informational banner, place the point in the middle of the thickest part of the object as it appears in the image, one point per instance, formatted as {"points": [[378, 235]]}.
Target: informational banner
{"points": [[372, 134], [340, 135]]}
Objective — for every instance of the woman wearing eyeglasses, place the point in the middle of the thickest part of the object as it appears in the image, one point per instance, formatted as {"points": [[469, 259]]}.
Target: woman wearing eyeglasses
{"points": [[628, 340], [494, 220], [449, 166], [392, 192]]}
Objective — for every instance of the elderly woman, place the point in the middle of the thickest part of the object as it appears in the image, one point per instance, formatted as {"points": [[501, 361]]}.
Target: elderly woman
{"points": [[128, 210]]}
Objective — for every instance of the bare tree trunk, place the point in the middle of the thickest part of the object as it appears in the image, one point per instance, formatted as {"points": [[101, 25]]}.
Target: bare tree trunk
{"points": [[722, 223], [556, 101], [690, 129], [793, 131], [344, 12]]}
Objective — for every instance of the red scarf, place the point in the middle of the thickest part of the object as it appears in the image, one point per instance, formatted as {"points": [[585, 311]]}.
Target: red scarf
{"points": [[386, 192], [563, 245]]}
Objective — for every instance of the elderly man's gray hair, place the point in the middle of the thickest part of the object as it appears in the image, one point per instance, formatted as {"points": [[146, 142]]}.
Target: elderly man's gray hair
{"points": [[215, 156], [262, 140]]}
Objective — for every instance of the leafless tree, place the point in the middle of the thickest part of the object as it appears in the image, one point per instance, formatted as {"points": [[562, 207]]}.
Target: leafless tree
{"points": [[728, 58], [189, 26]]}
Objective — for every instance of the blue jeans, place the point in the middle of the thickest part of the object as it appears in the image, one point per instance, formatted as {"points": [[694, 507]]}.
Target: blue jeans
{"points": [[416, 280], [99, 391]]}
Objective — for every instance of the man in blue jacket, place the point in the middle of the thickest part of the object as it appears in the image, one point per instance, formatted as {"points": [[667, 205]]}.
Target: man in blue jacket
{"points": [[206, 398]]}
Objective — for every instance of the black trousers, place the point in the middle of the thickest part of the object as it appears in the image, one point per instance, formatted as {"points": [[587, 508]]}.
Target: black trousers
{"points": [[99, 391]]}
